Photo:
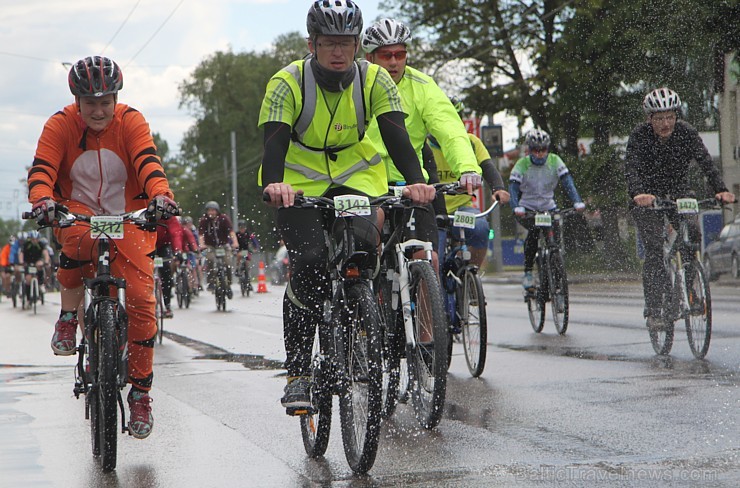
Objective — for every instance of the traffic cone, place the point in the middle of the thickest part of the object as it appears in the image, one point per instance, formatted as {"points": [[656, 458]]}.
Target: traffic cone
{"points": [[261, 280]]}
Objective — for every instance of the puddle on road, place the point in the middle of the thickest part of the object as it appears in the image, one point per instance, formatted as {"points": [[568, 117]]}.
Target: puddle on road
{"points": [[567, 352], [209, 351]]}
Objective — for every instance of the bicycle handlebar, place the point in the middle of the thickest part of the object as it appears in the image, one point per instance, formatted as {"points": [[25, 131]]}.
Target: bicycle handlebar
{"points": [[670, 203], [65, 218], [562, 212]]}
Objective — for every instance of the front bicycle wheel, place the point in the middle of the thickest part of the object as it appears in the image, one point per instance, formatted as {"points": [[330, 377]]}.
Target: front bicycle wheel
{"points": [[428, 357], [360, 400], [558, 286], [159, 309], [392, 345], [221, 291], [180, 289], [14, 293], [34, 293], [698, 310], [662, 338], [316, 422], [107, 383], [474, 322]]}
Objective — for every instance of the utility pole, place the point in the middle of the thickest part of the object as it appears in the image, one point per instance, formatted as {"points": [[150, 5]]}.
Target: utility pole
{"points": [[234, 197]]}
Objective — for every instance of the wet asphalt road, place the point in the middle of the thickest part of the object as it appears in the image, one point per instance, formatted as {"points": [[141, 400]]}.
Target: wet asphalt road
{"points": [[593, 406]]}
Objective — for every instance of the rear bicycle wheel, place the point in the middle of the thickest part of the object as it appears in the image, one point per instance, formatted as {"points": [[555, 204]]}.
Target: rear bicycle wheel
{"points": [[474, 322], [558, 286], [360, 400], [107, 390], [536, 309], [316, 423], [427, 359], [662, 340], [699, 310]]}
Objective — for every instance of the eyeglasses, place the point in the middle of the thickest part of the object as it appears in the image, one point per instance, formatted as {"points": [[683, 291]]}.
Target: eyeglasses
{"points": [[538, 149], [387, 55], [660, 118], [331, 45]]}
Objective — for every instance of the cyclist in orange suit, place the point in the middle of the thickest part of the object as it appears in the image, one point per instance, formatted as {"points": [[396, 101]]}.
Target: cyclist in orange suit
{"points": [[97, 157], [5, 267]]}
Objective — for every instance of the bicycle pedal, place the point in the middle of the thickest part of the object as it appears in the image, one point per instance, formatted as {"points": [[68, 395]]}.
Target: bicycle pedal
{"points": [[298, 411]]}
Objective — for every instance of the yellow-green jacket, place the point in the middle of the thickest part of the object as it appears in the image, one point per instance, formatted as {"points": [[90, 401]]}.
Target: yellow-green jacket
{"points": [[429, 112], [327, 146]]}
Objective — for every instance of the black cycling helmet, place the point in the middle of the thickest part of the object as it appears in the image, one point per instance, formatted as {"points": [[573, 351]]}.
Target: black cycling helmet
{"points": [[334, 18], [213, 205], [95, 76]]}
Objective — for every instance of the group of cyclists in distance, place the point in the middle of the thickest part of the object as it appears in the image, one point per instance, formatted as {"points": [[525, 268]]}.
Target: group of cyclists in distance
{"points": [[351, 118]]}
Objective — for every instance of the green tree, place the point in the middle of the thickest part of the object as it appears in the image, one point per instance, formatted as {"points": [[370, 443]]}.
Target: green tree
{"points": [[225, 94]]}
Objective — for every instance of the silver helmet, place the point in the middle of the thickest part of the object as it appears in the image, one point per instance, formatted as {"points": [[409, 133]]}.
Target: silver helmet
{"points": [[334, 18]]}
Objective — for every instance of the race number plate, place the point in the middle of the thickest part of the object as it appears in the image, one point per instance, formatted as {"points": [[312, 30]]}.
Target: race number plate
{"points": [[464, 219], [351, 205], [543, 220], [397, 190], [158, 261], [110, 226], [220, 252], [687, 206]]}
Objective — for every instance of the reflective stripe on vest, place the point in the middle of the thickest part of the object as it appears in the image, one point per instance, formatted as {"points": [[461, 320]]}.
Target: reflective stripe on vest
{"points": [[338, 179]]}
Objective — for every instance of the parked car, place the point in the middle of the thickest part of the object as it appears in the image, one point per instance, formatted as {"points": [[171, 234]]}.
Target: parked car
{"points": [[723, 255]]}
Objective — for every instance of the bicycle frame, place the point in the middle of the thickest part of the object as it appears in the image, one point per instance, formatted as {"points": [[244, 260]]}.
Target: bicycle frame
{"points": [[675, 246], [97, 289], [401, 275]]}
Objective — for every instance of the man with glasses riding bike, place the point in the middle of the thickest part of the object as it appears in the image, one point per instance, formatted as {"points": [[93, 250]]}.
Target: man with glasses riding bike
{"points": [[97, 157], [532, 185], [429, 112], [314, 116], [659, 154]]}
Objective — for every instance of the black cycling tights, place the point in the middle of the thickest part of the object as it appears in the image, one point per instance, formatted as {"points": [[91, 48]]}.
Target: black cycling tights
{"points": [[302, 230]]}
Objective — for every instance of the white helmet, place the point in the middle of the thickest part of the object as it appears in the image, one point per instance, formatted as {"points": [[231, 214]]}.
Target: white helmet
{"points": [[661, 100], [537, 138], [385, 32]]}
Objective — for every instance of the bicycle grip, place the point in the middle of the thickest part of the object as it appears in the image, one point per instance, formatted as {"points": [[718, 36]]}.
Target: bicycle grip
{"points": [[27, 215]]}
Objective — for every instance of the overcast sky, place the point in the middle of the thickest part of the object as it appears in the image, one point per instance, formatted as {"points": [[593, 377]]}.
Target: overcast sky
{"points": [[157, 43]]}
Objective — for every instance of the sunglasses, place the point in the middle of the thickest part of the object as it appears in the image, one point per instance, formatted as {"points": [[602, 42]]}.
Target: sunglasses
{"points": [[387, 55], [537, 148]]}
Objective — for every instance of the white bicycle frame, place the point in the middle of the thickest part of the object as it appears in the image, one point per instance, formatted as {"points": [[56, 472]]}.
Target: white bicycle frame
{"points": [[402, 279]]}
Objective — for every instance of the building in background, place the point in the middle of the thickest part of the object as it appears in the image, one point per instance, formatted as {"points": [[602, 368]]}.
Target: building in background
{"points": [[729, 131]]}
